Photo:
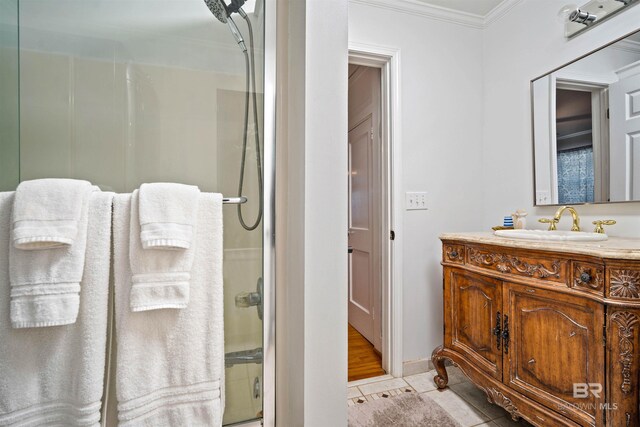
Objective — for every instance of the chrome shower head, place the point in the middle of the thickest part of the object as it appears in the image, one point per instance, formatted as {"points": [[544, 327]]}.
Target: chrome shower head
{"points": [[219, 9]]}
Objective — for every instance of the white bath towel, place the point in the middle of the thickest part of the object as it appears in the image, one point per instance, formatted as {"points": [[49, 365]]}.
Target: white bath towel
{"points": [[46, 212], [160, 279], [168, 214], [170, 367], [45, 283], [54, 376]]}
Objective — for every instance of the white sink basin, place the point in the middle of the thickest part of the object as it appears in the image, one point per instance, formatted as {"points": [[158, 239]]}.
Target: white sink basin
{"points": [[554, 236]]}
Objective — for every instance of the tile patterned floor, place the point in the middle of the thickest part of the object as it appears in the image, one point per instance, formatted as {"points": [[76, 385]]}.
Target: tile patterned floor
{"points": [[466, 403]]}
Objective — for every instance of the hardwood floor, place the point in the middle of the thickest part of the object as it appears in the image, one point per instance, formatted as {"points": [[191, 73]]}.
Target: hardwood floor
{"points": [[364, 361]]}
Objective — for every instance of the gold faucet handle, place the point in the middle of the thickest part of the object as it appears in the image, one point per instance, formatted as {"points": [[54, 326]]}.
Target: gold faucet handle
{"points": [[599, 225], [551, 221]]}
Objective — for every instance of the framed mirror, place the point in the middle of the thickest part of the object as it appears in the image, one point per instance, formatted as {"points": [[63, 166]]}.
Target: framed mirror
{"points": [[586, 128]]}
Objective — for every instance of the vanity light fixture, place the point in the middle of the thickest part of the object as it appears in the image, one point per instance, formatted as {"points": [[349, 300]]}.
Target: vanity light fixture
{"points": [[580, 18]]}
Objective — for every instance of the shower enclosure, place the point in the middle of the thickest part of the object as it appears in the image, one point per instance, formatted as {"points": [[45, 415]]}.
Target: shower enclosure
{"points": [[122, 92]]}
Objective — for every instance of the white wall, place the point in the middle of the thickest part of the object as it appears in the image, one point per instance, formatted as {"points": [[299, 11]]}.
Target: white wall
{"points": [[516, 50], [312, 213], [441, 127], [325, 204]]}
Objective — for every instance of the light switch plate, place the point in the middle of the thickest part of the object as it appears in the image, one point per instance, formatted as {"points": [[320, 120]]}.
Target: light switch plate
{"points": [[416, 201]]}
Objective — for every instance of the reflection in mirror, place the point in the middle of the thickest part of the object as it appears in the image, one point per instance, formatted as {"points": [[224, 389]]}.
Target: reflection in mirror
{"points": [[586, 126]]}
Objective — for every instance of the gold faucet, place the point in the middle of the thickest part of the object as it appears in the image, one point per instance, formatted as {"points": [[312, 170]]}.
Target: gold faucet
{"points": [[556, 218]]}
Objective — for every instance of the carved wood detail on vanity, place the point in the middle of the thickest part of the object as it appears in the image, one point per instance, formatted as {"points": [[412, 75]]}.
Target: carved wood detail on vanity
{"points": [[497, 397], [626, 325], [517, 264], [588, 277], [454, 253], [540, 328], [623, 343], [625, 284]]}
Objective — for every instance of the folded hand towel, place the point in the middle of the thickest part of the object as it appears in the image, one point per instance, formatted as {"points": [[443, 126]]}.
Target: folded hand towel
{"points": [[45, 284], [170, 363], [46, 212], [54, 376], [160, 279], [167, 215]]}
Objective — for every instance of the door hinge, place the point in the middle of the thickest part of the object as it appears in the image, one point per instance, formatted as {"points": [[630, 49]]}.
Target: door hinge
{"points": [[372, 134], [392, 235], [608, 117], [604, 332]]}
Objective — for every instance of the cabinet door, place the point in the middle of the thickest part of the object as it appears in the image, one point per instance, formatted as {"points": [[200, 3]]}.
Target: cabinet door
{"points": [[472, 312], [555, 352]]}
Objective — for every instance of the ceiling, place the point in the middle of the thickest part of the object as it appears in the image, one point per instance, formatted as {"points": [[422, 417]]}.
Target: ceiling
{"points": [[476, 7]]}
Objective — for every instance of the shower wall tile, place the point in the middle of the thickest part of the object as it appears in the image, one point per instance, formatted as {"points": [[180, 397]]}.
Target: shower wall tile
{"points": [[45, 116], [98, 124], [237, 401], [242, 268], [120, 125], [9, 92], [9, 108]]}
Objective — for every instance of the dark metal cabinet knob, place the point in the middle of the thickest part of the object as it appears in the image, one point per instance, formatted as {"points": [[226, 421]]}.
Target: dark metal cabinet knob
{"points": [[585, 277]]}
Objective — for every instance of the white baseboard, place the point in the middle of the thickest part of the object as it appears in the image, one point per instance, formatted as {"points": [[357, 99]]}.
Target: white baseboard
{"points": [[413, 367]]}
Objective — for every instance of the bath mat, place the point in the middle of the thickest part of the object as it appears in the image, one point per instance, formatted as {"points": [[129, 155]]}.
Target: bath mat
{"points": [[407, 409]]}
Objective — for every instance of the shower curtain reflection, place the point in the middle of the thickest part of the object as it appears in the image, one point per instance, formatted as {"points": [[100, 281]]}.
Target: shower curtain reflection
{"points": [[575, 176]]}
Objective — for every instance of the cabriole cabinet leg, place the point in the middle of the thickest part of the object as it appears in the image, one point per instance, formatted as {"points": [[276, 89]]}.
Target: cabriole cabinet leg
{"points": [[438, 359]]}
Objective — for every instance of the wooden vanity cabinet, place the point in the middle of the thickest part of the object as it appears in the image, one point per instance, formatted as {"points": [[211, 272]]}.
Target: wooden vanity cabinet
{"points": [[475, 303], [536, 331], [555, 341]]}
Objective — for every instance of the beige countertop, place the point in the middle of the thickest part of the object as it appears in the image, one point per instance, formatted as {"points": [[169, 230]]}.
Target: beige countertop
{"points": [[614, 247]]}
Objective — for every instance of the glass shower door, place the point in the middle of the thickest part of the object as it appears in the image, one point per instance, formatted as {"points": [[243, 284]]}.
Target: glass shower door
{"points": [[9, 102], [122, 92]]}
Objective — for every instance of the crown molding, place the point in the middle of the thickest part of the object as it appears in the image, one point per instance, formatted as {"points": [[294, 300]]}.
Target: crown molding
{"points": [[438, 13], [627, 45], [418, 8], [499, 11]]}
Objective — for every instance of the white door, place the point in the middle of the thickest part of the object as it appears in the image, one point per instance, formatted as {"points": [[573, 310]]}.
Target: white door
{"points": [[624, 109], [364, 203]]}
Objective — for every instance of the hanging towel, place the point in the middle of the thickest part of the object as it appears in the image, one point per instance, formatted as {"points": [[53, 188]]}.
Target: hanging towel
{"points": [[47, 212], [167, 215], [54, 376], [170, 363], [45, 283], [160, 278]]}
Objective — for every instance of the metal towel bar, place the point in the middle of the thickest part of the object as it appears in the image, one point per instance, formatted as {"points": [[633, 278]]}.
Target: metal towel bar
{"points": [[234, 200]]}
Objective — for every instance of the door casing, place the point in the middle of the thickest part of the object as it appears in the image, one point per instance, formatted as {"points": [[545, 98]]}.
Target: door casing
{"points": [[388, 60]]}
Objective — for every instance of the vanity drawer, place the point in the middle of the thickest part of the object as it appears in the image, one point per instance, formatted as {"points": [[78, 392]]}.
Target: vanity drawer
{"points": [[519, 263], [453, 253], [587, 277]]}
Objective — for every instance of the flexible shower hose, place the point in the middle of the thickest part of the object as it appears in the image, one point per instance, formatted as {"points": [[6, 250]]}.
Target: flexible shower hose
{"points": [[250, 82]]}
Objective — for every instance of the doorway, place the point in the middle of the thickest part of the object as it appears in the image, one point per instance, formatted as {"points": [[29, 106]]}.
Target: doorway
{"points": [[365, 222], [384, 207], [582, 141]]}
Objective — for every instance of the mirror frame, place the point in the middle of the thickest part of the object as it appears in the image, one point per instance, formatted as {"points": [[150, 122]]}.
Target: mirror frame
{"points": [[531, 124]]}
